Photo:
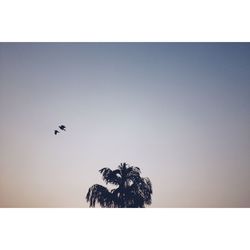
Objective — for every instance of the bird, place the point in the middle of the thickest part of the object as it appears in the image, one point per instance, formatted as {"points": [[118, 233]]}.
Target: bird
{"points": [[56, 132], [62, 127]]}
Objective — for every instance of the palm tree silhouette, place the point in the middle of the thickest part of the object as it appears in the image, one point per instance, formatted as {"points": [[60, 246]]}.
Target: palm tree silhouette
{"points": [[132, 190]]}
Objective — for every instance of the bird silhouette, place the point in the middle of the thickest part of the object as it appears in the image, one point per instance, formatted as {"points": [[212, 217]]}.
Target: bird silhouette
{"points": [[62, 127], [56, 132]]}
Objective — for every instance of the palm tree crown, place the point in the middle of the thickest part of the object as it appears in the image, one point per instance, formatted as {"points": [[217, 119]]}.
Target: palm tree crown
{"points": [[132, 189]]}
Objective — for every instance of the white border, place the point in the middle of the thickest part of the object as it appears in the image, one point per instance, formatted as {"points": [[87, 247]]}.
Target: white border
{"points": [[124, 20], [124, 229]]}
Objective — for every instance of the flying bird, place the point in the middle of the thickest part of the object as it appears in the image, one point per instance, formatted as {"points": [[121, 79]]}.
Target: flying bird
{"points": [[62, 127], [56, 132]]}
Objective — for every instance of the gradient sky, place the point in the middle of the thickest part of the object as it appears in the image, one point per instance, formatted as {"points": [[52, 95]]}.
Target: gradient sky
{"points": [[179, 111]]}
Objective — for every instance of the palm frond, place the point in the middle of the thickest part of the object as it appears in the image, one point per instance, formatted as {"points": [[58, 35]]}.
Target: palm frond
{"points": [[110, 176], [142, 191], [100, 194], [133, 173]]}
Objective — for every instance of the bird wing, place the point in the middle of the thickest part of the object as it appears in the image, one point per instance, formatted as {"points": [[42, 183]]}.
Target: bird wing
{"points": [[62, 127]]}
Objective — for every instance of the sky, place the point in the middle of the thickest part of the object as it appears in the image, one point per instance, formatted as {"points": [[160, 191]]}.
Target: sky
{"points": [[178, 111]]}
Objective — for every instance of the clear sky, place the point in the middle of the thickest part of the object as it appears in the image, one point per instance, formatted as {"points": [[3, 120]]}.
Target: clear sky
{"points": [[179, 111]]}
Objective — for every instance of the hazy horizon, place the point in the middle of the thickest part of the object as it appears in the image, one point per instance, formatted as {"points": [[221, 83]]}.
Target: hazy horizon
{"points": [[178, 111]]}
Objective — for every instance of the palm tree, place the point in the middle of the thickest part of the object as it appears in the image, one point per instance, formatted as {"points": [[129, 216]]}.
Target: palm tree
{"points": [[132, 189]]}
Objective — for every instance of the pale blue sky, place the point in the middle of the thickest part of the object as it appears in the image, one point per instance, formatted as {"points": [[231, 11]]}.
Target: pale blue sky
{"points": [[179, 111]]}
